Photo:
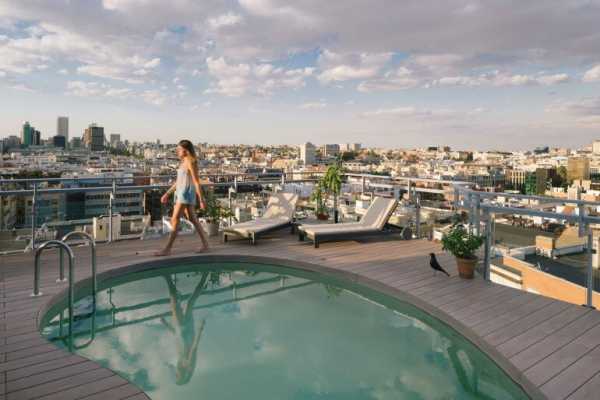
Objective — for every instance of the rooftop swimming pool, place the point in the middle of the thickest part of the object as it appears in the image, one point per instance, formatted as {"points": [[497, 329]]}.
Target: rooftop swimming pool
{"points": [[252, 331]]}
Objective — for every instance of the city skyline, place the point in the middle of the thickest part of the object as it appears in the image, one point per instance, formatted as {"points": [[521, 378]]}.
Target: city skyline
{"points": [[466, 74]]}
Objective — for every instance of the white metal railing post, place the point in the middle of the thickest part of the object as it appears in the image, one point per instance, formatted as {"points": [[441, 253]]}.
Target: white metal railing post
{"points": [[470, 207], [456, 197], [418, 215], [33, 215], [488, 245], [111, 200], [476, 214], [590, 268]]}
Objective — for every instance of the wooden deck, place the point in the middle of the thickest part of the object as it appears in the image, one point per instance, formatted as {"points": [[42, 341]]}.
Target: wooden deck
{"points": [[554, 345]]}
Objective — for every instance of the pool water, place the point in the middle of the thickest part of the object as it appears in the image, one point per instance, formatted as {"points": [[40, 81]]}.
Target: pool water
{"points": [[248, 331]]}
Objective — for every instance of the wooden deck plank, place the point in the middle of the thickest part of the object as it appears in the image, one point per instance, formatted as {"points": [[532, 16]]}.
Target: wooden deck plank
{"points": [[525, 309], [533, 331], [563, 358], [516, 337], [572, 378], [545, 347]]}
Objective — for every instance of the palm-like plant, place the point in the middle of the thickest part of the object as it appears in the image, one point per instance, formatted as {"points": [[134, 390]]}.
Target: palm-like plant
{"points": [[317, 197], [332, 181]]}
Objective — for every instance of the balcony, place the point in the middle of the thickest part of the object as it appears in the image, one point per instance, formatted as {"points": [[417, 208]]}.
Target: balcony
{"points": [[547, 345]]}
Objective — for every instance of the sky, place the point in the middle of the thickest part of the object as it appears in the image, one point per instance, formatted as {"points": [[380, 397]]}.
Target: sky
{"points": [[471, 74]]}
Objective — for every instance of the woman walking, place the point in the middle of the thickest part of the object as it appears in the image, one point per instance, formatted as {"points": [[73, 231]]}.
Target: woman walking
{"points": [[186, 188]]}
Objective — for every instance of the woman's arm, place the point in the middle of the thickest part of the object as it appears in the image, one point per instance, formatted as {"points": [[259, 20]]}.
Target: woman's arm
{"points": [[165, 197]]}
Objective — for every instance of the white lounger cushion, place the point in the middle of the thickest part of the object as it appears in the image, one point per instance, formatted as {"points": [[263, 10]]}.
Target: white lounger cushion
{"points": [[280, 211], [378, 213], [375, 218], [258, 225], [281, 205]]}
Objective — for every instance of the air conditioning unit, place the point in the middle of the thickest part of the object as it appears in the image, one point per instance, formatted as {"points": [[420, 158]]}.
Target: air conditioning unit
{"points": [[100, 228]]}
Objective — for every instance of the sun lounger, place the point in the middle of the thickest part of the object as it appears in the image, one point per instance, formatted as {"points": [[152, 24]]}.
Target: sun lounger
{"points": [[279, 214], [372, 223]]}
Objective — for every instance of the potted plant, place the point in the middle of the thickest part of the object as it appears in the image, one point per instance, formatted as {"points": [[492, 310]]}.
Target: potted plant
{"points": [[212, 213], [317, 197], [332, 181], [463, 246]]}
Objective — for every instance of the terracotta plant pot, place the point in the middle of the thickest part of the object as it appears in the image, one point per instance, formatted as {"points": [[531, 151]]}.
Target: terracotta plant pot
{"points": [[323, 217], [466, 267]]}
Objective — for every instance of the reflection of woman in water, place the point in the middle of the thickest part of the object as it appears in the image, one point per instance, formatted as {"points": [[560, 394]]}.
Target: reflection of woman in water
{"points": [[184, 329]]}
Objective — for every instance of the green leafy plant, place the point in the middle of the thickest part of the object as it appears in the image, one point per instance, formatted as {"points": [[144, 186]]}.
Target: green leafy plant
{"points": [[461, 243], [317, 197], [332, 182], [213, 210]]}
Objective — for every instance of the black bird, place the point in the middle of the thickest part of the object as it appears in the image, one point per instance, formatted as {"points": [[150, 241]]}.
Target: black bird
{"points": [[435, 265]]}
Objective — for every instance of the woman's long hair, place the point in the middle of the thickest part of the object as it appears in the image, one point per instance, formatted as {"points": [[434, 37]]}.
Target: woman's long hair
{"points": [[186, 144]]}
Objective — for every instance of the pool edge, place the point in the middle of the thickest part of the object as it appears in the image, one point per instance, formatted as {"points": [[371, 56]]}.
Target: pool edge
{"points": [[501, 361]]}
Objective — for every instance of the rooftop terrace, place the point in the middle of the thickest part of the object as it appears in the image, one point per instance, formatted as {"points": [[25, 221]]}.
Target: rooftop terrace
{"points": [[548, 346]]}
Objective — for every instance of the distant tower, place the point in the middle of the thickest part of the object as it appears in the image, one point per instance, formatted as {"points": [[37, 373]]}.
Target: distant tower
{"points": [[93, 138], [62, 128], [115, 139], [307, 153], [27, 134]]}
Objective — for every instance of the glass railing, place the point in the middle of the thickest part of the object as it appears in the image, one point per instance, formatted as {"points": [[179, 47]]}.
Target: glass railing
{"points": [[541, 246], [48, 209]]}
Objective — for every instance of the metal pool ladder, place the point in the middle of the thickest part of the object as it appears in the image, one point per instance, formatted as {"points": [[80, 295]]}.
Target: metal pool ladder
{"points": [[63, 246]]}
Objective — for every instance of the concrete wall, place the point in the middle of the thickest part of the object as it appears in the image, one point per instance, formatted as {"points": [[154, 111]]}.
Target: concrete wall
{"points": [[537, 281]]}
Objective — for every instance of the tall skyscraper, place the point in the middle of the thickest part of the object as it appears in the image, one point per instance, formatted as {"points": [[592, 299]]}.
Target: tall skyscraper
{"points": [[578, 168], [59, 141], [36, 139], [27, 134], [115, 138], [62, 128], [330, 150], [93, 137], [307, 153]]}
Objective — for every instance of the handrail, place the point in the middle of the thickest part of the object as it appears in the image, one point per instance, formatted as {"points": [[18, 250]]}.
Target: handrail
{"points": [[36, 276], [92, 243]]}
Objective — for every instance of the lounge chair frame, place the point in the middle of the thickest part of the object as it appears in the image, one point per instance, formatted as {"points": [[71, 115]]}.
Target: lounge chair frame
{"points": [[341, 236], [254, 236], [320, 237]]}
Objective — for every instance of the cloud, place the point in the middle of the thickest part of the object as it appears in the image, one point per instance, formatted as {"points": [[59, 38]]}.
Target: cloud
{"points": [[22, 88], [155, 62], [499, 79], [584, 112], [592, 75], [96, 89], [588, 106], [422, 114], [196, 107], [313, 106], [343, 67], [154, 97], [399, 79], [235, 80], [224, 20], [553, 79]]}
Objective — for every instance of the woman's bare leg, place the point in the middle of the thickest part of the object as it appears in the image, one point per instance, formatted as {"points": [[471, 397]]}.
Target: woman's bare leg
{"points": [[177, 211], [191, 216]]}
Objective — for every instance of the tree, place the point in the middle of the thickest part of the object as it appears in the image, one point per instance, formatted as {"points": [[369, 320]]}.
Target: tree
{"points": [[333, 183]]}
